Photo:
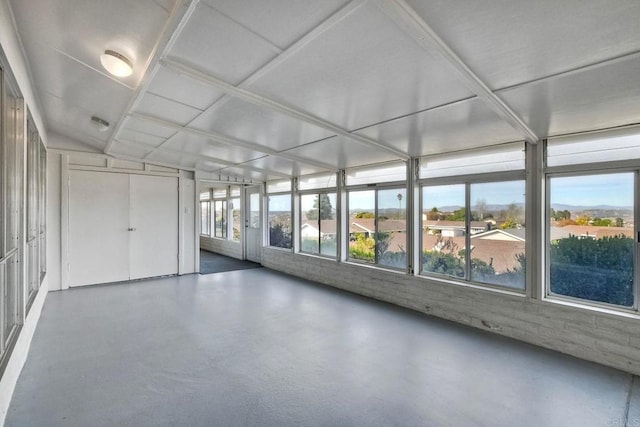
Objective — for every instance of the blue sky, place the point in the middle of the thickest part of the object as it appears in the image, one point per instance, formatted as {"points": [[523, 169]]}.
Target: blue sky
{"points": [[610, 189], [605, 189], [494, 193]]}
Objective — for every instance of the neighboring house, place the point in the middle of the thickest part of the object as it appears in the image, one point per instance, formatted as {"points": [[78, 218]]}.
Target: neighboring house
{"points": [[498, 248], [588, 232], [309, 229], [455, 228]]}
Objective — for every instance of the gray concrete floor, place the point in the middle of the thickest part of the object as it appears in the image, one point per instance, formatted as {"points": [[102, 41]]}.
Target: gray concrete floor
{"points": [[258, 348]]}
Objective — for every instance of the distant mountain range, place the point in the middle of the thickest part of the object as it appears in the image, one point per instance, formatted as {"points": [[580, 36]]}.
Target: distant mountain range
{"points": [[562, 207]]}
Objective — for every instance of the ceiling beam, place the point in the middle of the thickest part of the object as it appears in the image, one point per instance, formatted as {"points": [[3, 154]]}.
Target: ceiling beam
{"points": [[232, 142], [411, 22], [285, 54], [273, 105], [176, 22], [225, 163]]}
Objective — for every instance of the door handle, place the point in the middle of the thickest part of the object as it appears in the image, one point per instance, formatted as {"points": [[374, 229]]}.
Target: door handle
{"points": [[131, 229]]}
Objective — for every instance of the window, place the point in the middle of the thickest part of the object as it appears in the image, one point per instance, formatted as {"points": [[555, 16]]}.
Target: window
{"points": [[205, 218], [318, 225], [234, 207], [590, 237], [590, 217], [220, 212], [473, 225], [279, 214], [377, 214], [378, 227]]}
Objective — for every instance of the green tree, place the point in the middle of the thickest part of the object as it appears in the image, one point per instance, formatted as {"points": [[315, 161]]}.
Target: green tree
{"points": [[365, 215], [599, 222], [619, 222], [596, 270], [278, 237], [321, 207], [457, 215]]}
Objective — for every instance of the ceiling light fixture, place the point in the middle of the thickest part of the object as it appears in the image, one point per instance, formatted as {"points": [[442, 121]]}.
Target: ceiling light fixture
{"points": [[116, 63], [100, 124]]}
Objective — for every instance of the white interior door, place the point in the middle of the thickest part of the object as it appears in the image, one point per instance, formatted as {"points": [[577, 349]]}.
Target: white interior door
{"points": [[253, 224], [153, 239], [98, 223]]}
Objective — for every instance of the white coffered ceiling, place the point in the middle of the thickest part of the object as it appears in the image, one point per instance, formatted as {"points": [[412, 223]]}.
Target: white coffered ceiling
{"points": [[266, 89]]}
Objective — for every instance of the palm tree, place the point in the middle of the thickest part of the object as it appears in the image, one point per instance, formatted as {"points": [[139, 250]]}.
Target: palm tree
{"points": [[399, 205]]}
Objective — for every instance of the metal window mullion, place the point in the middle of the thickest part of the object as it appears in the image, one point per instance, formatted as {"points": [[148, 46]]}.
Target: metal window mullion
{"points": [[636, 262], [467, 231], [375, 227]]}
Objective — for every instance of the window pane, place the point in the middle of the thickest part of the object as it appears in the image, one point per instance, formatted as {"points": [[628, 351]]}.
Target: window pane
{"points": [[377, 174], [317, 181], [362, 228], [309, 223], [10, 291], [498, 234], [279, 186], [391, 238], [443, 230], [328, 224], [591, 244], [235, 213], [499, 158], [254, 210], [220, 218], [280, 221], [205, 195], [204, 218], [621, 144]]}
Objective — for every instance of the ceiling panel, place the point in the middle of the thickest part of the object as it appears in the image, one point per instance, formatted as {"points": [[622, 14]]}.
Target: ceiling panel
{"points": [[139, 137], [143, 126], [600, 98], [284, 166], [362, 71], [72, 121], [166, 109], [254, 175], [72, 138], [249, 122], [466, 124], [83, 29], [280, 21], [213, 43], [128, 149], [183, 89], [510, 42], [341, 153], [169, 158], [76, 85], [195, 144]]}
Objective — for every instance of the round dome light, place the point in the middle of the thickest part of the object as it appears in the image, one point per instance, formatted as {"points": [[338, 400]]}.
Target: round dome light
{"points": [[116, 63]]}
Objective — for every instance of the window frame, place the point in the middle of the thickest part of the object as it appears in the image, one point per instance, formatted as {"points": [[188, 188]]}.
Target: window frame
{"points": [[468, 181], [318, 192], [394, 185], [224, 221], [589, 169], [268, 224]]}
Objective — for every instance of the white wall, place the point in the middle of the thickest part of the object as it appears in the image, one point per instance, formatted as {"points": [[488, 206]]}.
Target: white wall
{"points": [[58, 168], [18, 67], [228, 248], [609, 339], [53, 219]]}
